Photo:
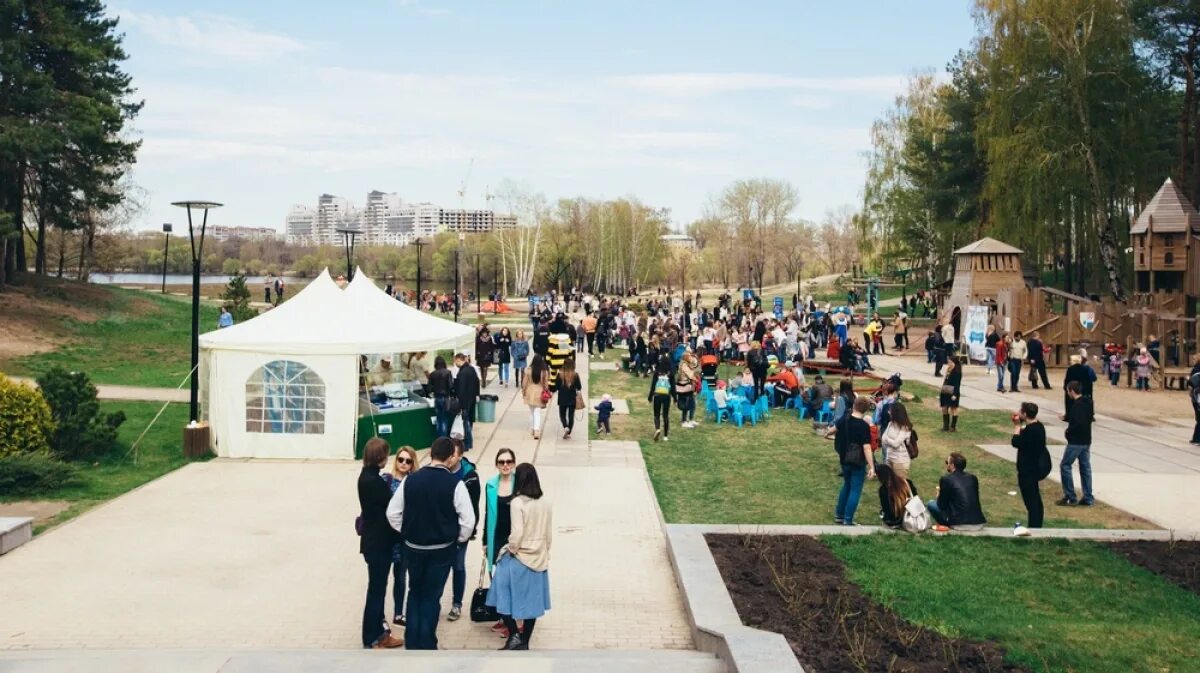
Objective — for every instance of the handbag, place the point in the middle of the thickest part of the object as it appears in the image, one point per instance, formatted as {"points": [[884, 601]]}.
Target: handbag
{"points": [[947, 390], [911, 445], [546, 395], [579, 404], [480, 610]]}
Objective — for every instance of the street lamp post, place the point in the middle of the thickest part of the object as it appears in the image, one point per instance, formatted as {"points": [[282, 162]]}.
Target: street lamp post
{"points": [[166, 248], [197, 256], [457, 278], [478, 289], [495, 286], [348, 241], [418, 242]]}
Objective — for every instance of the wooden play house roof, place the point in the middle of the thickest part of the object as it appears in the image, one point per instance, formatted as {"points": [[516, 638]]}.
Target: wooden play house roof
{"points": [[990, 246], [1168, 212]]}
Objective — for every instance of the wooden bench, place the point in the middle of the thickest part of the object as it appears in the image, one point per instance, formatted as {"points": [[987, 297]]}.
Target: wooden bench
{"points": [[1175, 378]]}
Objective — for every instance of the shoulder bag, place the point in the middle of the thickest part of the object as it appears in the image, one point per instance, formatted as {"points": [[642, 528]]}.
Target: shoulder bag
{"points": [[947, 390], [911, 444]]}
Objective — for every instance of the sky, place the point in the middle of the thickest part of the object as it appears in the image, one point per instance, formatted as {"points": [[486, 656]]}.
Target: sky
{"points": [[262, 105]]}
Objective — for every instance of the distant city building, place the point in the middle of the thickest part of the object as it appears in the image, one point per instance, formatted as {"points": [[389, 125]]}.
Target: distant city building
{"points": [[222, 233], [386, 219], [679, 240]]}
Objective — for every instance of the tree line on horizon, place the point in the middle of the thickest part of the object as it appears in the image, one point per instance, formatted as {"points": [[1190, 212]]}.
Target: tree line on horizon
{"points": [[1050, 131]]}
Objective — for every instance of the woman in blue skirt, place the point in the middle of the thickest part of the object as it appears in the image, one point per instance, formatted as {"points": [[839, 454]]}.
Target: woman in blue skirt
{"points": [[521, 584]]}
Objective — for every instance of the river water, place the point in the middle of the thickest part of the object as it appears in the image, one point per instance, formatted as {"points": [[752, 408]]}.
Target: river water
{"points": [[176, 279]]}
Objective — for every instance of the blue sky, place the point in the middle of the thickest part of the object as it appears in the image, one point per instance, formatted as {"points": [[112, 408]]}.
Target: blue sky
{"points": [[263, 104]]}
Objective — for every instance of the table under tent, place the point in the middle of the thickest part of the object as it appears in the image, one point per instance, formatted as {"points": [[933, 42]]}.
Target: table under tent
{"points": [[290, 383]]}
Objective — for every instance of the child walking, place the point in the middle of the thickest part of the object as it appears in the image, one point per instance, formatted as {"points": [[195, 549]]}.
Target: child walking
{"points": [[604, 409]]}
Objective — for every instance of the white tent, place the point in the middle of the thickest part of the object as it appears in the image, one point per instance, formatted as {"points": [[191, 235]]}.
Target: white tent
{"points": [[285, 384]]}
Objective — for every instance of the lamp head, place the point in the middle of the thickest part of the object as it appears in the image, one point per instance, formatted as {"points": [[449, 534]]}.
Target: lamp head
{"points": [[197, 204]]}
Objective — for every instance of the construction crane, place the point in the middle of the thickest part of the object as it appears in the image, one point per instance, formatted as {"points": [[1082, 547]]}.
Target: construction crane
{"points": [[462, 190]]}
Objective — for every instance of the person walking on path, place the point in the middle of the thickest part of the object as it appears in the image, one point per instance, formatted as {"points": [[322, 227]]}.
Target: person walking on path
{"points": [[853, 444], [470, 477], [521, 585], [485, 350], [375, 544], [1033, 461], [1142, 372], [1079, 418], [440, 516], [990, 343], [569, 386], [1037, 361], [1002, 346], [685, 389], [519, 350], [939, 350], [948, 396], [1079, 373], [503, 354], [441, 387], [466, 389], [535, 391], [404, 464], [1018, 350], [661, 394], [589, 330]]}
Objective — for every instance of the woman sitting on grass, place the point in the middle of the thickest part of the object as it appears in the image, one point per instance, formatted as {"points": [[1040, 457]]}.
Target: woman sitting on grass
{"points": [[895, 490]]}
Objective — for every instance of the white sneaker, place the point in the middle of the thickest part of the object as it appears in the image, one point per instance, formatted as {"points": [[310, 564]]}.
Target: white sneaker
{"points": [[1021, 531], [666, 438]]}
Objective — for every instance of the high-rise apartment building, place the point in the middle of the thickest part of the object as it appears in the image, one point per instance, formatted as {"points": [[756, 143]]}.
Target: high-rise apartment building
{"points": [[386, 219]]}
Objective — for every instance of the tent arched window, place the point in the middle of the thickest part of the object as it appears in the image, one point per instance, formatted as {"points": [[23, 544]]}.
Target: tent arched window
{"points": [[286, 397]]}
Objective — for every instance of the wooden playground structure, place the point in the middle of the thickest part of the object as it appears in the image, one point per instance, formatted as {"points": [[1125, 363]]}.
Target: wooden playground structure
{"points": [[1165, 240]]}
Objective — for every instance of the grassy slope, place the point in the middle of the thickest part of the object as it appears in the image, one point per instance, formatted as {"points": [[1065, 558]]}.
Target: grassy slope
{"points": [[780, 472], [160, 452], [1055, 605], [141, 339]]}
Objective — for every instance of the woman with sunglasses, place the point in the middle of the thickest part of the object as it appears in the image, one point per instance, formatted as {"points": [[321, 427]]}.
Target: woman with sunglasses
{"points": [[403, 464], [498, 520]]}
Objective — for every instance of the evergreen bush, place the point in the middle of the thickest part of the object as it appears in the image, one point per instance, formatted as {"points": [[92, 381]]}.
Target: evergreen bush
{"points": [[81, 430], [35, 474], [237, 298]]}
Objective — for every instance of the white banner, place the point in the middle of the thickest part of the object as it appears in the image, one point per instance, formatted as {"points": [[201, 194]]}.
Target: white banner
{"points": [[976, 332]]}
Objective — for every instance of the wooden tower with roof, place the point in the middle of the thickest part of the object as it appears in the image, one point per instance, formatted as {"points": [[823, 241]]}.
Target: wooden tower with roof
{"points": [[986, 273], [1164, 240]]}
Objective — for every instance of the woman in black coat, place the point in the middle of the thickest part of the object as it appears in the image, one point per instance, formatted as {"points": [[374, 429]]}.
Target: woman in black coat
{"points": [[948, 397], [503, 342], [375, 545], [484, 350], [568, 386]]}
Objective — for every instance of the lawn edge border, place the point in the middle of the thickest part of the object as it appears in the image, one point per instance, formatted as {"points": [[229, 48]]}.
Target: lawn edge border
{"points": [[1096, 534], [716, 627]]}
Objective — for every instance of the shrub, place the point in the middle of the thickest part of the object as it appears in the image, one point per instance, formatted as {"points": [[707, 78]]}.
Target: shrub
{"points": [[26, 425], [237, 299], [35, 474], [81, 431]]}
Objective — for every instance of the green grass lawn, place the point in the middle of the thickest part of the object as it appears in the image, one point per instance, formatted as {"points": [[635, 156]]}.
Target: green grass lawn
{"points": [[141, 339], [1056, 605], [781, 472], [160, 452]]}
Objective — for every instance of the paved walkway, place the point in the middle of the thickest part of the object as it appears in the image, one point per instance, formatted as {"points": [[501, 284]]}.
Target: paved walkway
{"points": [[262, 554], [105, 391], [1150, 471]]}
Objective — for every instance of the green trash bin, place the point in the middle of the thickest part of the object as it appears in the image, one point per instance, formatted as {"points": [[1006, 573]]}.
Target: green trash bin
{"points": [[485, 409]]}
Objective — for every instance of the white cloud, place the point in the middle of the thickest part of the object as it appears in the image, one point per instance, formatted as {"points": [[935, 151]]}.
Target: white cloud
{"points": [[208, 35], [707, 84]]}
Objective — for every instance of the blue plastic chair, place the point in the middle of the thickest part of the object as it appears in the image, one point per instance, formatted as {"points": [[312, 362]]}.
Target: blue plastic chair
{"points": [[802, 410], [825, 413], [762, 406], [749, 410]]}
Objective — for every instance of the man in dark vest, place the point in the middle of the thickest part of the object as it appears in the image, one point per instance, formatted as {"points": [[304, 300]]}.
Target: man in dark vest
{"points": [[440, 517]]}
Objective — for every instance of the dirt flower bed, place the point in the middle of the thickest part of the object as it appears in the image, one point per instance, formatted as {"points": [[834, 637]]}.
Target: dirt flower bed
{"points": [[1177, 561], [795, 586]]}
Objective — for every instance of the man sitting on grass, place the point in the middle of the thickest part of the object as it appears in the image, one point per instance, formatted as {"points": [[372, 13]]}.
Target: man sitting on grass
{"points": [[957, 504]]}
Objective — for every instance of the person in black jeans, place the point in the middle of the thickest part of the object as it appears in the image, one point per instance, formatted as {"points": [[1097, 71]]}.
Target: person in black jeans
{"points": [[1033, 459], [441, 387], [662, 392], [376, 543], [1037, 361], [466, 389], [1194, 393], [440, 518], [568, 386]]}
